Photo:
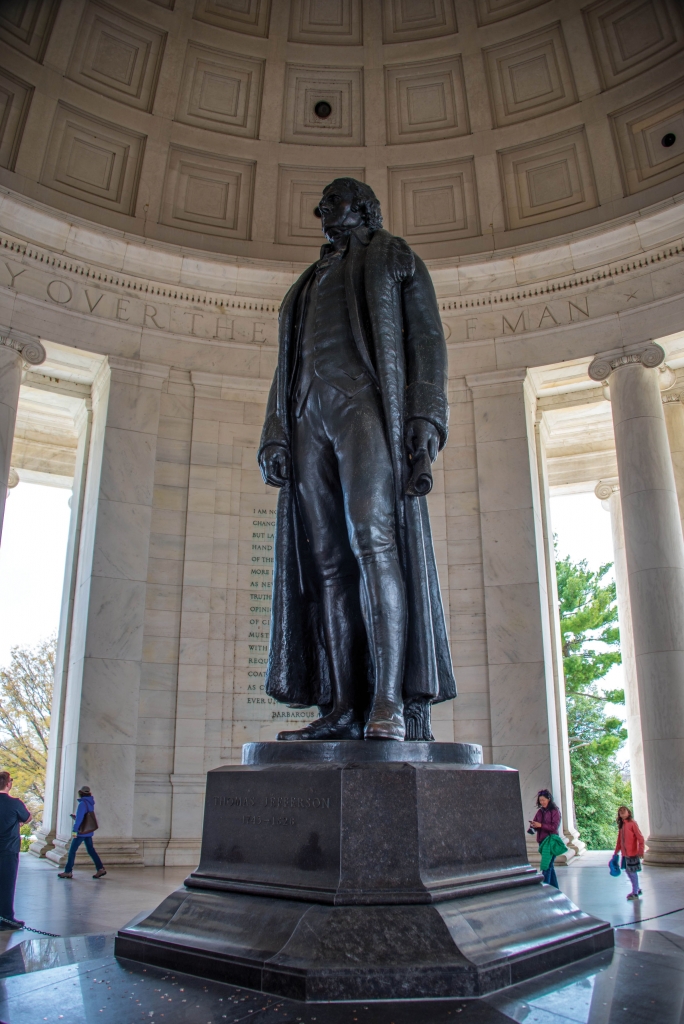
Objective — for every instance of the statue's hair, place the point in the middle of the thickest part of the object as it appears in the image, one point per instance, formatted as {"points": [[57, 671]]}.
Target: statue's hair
{"points": [[364, 197]]}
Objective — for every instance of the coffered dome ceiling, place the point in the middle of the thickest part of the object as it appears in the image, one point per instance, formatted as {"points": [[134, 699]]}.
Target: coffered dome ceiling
{"points": [[213, 124]]}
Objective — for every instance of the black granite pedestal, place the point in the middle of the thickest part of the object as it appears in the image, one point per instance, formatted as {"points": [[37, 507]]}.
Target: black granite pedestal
{"points": [[353, 751], [364, 870]]}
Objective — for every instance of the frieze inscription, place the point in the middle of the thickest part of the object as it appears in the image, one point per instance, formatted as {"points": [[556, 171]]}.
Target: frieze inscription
{"points": [[216, 322]]}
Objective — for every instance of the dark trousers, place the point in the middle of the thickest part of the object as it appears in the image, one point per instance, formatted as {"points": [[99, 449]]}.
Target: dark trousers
{"points": [[345, 493], [9, 865], [75, 843], [343, 473], [550, 875]]}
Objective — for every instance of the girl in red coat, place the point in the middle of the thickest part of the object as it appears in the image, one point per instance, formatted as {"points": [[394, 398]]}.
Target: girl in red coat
{"points": [[630, 843]]}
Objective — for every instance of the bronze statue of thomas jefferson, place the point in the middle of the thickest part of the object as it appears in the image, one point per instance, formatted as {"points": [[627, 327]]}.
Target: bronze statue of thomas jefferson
{"points": [[356, 413]]}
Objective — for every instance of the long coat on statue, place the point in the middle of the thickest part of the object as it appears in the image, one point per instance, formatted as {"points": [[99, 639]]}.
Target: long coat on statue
{"points": [[397, 328]]}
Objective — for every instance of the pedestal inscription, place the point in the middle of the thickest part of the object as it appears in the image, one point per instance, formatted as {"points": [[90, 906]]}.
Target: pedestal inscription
{"points": [[266, 828]]}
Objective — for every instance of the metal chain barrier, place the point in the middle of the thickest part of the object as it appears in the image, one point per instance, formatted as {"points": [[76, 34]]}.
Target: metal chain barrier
{"points": [[37, 931]]}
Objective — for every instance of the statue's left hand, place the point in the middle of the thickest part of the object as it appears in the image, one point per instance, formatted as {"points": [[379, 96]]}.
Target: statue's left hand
{"points": [[274, 463], [422, 435]]}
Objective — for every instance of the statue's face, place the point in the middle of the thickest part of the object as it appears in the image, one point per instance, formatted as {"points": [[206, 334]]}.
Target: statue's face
{"points": [[338, 215]]}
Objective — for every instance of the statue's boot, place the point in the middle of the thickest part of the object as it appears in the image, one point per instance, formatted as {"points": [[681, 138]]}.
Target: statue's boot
{"points": [[344, 637], [383, 602]]}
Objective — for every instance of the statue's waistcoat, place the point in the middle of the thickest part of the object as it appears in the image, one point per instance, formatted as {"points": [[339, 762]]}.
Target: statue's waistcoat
{"points": [[327, 346]]}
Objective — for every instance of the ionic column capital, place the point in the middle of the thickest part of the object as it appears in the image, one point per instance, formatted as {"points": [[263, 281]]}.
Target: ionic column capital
{"points": [[28, 346], [605, 489], [648, 354]]}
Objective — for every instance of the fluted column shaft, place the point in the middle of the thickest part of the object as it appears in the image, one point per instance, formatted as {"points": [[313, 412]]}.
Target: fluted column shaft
{"points": [[654, 551], [15, 349]]}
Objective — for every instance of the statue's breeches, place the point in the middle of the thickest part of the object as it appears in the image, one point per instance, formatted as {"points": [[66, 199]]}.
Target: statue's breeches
{"points": [[343, 474], [345, 492]]}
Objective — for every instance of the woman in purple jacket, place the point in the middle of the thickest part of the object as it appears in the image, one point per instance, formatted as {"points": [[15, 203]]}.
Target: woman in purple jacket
{"points": [[86, 805], [546, 822]]}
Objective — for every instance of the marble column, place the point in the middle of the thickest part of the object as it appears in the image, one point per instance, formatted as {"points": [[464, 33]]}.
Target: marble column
{"points": [[519, 649], [608, 492], [674, 421], [654, 551], [16, 348], [100, 735]]}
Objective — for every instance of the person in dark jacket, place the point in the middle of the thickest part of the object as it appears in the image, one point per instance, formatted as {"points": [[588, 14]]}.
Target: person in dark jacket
{"points": [[13, 814], [546, 822], [86, 805]]}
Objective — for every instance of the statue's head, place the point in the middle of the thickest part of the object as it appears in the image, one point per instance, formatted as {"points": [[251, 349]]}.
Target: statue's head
{"points": [[345, 204]]}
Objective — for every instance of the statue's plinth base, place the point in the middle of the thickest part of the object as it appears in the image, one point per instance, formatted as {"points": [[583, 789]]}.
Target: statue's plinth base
{"points": [[361, 751], [364, 879]]}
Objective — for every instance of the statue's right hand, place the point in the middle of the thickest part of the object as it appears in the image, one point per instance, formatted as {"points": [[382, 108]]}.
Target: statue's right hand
{"points": [[274, 463]]}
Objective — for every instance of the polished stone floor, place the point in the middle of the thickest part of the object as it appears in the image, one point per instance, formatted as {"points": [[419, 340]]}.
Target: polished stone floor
{"points": [[77, 980], [82, 905]]}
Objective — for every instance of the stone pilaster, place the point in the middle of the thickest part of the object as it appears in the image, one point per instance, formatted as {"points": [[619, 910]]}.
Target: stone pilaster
{"points": [[564, 797], [674, 421], [654, 551], [47, 833], [104, 663], [16, 348], [225, 604], [608, 493], [521, 682]]}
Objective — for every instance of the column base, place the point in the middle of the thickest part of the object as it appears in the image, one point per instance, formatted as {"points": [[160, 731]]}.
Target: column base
{"points": [[574, 844], [182, 853], [42, 844], [153, 851], [665, 851], [532, 848], [112, 851]]}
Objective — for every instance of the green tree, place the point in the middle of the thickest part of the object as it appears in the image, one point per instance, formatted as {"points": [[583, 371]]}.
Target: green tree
{"points": [[588, 617], [25, 699]]}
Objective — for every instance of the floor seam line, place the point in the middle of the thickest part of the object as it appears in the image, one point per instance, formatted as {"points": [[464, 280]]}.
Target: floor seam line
{"points": [[656, 917]]}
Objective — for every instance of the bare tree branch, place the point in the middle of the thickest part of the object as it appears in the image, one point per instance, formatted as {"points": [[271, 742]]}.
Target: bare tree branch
{"points": [[25, 703]]}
